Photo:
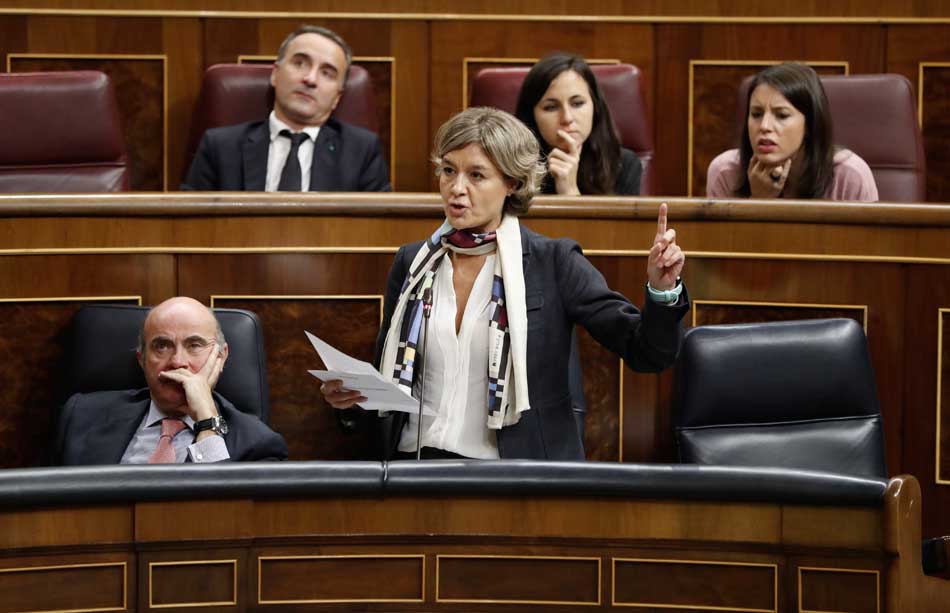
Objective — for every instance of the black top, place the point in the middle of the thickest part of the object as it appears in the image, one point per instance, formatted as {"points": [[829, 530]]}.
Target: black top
{"points": [[628, 181]]}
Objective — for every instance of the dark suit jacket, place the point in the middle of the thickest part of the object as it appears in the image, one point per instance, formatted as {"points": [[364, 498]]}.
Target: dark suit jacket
{"points": [[234, 158], [96, 428], [561, 288]]}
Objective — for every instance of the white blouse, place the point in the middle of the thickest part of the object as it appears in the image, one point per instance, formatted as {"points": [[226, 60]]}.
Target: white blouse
{"points": [[456, 371]]}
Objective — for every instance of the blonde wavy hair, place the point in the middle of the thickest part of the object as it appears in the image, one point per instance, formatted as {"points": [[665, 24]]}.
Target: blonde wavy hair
{"points": [[508, 143]]}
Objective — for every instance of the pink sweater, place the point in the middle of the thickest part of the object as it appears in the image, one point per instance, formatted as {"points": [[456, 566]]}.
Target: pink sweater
{"points": [[852, 181]]}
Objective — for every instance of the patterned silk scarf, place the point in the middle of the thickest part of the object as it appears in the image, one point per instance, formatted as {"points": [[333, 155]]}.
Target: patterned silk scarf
{"points": [[507, 392]]}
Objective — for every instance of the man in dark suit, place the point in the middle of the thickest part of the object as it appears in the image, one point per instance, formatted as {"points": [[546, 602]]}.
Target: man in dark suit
{"points": [[299, 147], [178, 418]]}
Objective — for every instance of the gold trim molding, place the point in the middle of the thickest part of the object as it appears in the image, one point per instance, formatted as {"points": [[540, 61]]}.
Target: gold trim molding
{"points": [[440, 557], [790, 305], [138, 299], [657, 19], [613, 584], [234, 588], [116, 56], [691, 98], [941, 314], [422, 589], [125, 583], [867, 571]]}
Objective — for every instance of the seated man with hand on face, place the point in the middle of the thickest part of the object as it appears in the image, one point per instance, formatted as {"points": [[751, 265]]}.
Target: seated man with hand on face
{"points": [[178, 418], [299, 147]]}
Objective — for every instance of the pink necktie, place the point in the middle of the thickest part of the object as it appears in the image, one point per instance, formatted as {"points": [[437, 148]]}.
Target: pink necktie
{"points": [[165, 451]]}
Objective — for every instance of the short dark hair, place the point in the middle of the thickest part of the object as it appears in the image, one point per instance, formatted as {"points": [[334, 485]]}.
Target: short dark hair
{"points": [[601, 155], [325, 32], [802, 88]]}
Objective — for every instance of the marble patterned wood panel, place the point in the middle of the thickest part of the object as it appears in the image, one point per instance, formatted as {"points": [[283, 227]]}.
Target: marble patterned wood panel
{"points": [[298, 411]]}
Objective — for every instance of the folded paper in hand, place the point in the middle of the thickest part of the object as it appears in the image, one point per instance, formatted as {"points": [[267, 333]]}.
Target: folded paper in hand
{"points": [[383, 395]]}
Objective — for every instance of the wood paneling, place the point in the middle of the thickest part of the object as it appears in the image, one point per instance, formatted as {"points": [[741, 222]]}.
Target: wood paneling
{"points": [[193, 583], [65, 587], [695, 584], [414, 553], [832, 589], [943, 398], [907, 48], [891, 259], [545, 8], [934, 123], [340, 578], [526, 580], [425, 87], [297, 408], [196, 577]]}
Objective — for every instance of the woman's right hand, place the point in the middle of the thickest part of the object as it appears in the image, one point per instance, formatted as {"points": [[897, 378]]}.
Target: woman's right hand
{"points": [[338, 396], [563, 163], [767, 181]]}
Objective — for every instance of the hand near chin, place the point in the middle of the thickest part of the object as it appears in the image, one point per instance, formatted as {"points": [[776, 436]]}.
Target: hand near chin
{"points": [[765, 180], [563, 161], [199, 404]]}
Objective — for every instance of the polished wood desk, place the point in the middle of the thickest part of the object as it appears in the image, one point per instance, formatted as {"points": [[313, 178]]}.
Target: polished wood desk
{"points": [[319, 262], [642, 537]]}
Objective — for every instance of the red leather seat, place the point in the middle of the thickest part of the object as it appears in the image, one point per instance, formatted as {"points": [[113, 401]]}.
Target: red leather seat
{"points": [[875, 115], [61, 133], [499, 87], [236, 93]]}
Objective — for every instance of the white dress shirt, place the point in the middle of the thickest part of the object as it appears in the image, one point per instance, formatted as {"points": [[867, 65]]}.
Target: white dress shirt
{"points": [[145, 440], [456, 370], [280, 148]]}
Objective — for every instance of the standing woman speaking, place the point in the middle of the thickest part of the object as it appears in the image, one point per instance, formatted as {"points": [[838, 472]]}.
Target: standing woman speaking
{"points": [[505, 301]]}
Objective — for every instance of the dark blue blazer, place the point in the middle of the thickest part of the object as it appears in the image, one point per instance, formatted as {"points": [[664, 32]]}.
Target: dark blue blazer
{"points": [[96, 428], [561, 288], [346, 158]]}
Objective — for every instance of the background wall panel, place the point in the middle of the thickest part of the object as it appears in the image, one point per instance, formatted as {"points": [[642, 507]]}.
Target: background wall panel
{"points": [[428, 48]]}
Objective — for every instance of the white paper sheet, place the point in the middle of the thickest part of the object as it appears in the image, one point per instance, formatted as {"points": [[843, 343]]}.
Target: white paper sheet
{"points": [[358, 375]]}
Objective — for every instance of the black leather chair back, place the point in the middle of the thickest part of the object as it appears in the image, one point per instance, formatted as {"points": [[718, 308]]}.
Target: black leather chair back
{"points": [[101, 355], [796, 394]]}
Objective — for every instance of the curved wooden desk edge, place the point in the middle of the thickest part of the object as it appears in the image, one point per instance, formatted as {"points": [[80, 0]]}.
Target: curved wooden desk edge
{"points": [[190, 204]]}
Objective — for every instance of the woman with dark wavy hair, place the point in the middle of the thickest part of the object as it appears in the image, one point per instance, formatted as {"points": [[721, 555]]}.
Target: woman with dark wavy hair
{"points": [[787, 148], [561, 102]]}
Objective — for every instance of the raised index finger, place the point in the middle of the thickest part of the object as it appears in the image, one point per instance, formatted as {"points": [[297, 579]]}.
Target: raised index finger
{"points": [[661, 221]]}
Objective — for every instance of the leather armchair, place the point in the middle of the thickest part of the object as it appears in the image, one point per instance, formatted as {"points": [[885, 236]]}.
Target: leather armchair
{"points": [[875, 115], [236, 93], [499, 87], [61, 133], [798, 394], [101, 355]]}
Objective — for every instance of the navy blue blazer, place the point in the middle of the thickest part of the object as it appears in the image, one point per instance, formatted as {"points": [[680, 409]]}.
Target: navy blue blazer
{"points": [[346, 158], [96, 428], [562, 288]]}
